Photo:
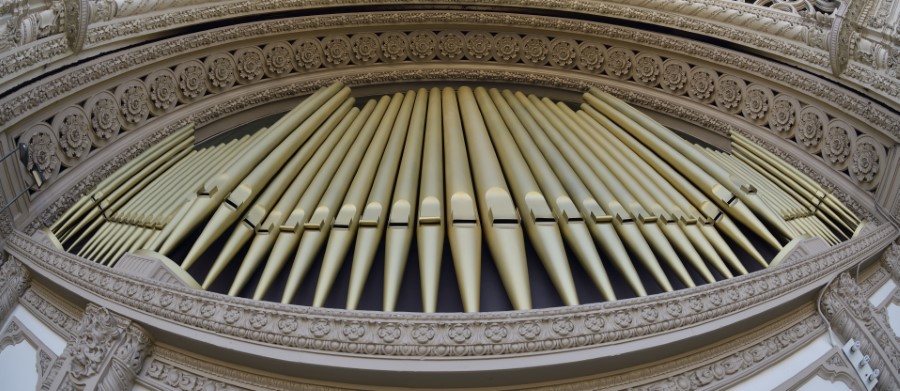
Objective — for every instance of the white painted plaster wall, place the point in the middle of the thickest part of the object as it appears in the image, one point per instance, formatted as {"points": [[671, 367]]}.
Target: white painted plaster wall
{"points": [[893, 315], [784, 370], [820, 384], [18, 366], [882, 293], [55, 342]]}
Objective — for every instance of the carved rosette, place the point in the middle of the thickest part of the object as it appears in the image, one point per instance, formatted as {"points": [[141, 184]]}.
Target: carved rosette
{"points": [[535, 50], [507, 47], [134, 103], [811, 129], [838, 144], [191, 81], [591, 57], [451, 45], [730, 93], [163, 91], [308, 54], [563, 53], [619, 62], [757, 104], [394, 46], [702, 84], [42, 150], [221, 71], [366, 48], [249, 64], [104, 117], [675, 76], [479, 46], [422, 45], [279, 59], [646, 69], [783, 115], [73, 131], [865, 162], [337, 50]]}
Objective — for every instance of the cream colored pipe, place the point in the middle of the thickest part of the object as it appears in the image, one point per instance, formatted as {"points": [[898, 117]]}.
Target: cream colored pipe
{"points": [[162, 186], [605, 227], [540, 221], [361, 216], [570, 220], [463, 226], [353, 195], [500, 220]]}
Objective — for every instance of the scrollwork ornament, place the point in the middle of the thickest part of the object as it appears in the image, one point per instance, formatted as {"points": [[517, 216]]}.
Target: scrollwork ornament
{"points": [[838, 144], [563, 53], [134, 103], [394, 46], [451, 45], [221, 71], [163, 91], [702, 84], [308, 54], [337, 50], [479, 45], [730, 93], [591, 57], [507, 47], [73, 132], [865, 162], [811, 129], [422, 45], [279, 59], [249, 62], [104, 118], [646, 69], [42, 147], [535, 50], [783, 115], [757, 104], [191, 77], [675, 76], [619, 62], [366, 48]]}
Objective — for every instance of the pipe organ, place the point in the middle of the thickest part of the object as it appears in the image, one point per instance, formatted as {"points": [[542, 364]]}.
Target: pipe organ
{"points": [[601, 185]]}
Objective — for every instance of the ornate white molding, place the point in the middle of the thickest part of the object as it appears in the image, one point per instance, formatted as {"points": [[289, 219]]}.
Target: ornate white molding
{"points": [[14, 279], [15, 333]]}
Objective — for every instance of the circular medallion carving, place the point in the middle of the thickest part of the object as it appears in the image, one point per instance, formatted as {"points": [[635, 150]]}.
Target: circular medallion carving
{"points": [[811, 129], [163, 91], [783, 115], [507, 47], [591, 57], [730, 93], [535, 49], [675, 76], [191, 77], [563, 53], [478, 45], [702, 84], [249, 63], [838, 144], [422, 45], [757, 103], [42, 150], [104, 117], [451, 45], [366, 48], [221, 71], [279, 59], [394, 46], [73, 132], [865, 162], [619, 62], [308, 54], [134, 103], [337, 50], [646, 69]]}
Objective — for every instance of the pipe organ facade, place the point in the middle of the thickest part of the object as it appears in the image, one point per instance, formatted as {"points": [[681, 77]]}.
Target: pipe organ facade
{"points": [[227, 195]]}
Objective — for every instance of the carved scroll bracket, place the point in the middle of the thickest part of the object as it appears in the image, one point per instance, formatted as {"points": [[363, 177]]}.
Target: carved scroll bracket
{"points": [[14, 278]]}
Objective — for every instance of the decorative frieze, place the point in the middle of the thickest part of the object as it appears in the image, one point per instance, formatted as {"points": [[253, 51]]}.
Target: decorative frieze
{"points": [[14, 279]]}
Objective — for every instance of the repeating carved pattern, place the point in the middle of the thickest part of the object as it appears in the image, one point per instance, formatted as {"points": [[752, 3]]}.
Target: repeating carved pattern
{"points": [[140, 100], [444, 335], [72, 129], [49, 309], [14, 279]]}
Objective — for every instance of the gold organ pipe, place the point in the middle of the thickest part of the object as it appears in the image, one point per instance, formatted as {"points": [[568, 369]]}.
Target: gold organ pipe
{"points": [[685, 187], [554, 148], [219, 187], [139, 204], [715, 183], [613, 194], [500, 219], [541, 222], [570, 219], [353, 194], [463, 226], [323, 139], [399, 225], [284, 226], [365, 222]]}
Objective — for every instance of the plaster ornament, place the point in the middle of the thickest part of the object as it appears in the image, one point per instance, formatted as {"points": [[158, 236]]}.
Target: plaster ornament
{"points": [[675, 76], [422, 45], [192, 83], [865, 163], [757, 103], [337, 50], [221, 71], [507, 47], [811, 129], [591, 57], [838, 143], [730, 93], [619, 62], [163, 91], [535, 49], [42, 147], [366, 48], [394, 46], [563, 52], [308, 54], [479, 45], [279, 59], [646, 69], [783, 117], [451, 45], [134, 103], [702, 84], [249, 62], [72, 128]]}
